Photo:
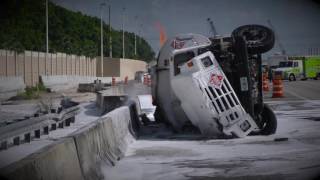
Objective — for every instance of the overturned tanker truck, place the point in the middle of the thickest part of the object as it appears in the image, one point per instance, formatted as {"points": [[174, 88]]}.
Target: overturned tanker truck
{"points": [[214, 85]]}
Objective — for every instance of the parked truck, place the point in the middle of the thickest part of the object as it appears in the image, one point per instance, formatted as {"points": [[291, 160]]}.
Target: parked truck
{"points": [[213, 85], [303, 68]]}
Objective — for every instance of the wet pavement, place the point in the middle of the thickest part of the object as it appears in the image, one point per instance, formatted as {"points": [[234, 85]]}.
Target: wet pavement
{"points": [[292, 153]]}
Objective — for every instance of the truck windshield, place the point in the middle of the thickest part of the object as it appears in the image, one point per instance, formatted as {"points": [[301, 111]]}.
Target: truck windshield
{"points": [[179, 59], [285, 64]]}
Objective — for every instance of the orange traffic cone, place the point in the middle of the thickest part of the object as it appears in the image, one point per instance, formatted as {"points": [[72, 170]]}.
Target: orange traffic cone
{"points": [[277, 87], [145, 79], [265, 82], [113, 81], [149, 80], [126, 80]]}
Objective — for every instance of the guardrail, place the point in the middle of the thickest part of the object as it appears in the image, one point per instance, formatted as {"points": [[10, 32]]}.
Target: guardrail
{"points": [[26, 130]]}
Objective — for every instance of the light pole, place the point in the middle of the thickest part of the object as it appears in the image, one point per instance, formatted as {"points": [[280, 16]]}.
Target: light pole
{"points": [[101, 36], [47, 36], [123, 51], [135, 39], [110, 37], [140, 33]]}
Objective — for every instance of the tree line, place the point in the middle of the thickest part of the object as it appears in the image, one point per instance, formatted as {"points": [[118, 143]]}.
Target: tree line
{"points": [[23, 27]]}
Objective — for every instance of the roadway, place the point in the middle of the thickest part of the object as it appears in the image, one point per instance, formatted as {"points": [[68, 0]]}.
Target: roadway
{"points": [[298, 90], [168, 156]]}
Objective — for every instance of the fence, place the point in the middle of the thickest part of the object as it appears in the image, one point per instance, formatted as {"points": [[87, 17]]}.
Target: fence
{"points": [[30, 65]]}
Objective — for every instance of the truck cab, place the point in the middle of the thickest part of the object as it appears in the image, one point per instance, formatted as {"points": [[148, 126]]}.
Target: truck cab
{"points": [[290, 70]]}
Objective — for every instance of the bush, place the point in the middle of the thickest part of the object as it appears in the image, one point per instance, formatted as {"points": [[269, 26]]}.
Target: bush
{"points": [[31, 92]]}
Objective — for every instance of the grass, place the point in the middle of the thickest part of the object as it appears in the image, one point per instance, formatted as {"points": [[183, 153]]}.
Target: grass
{"points": [[32, 92]]}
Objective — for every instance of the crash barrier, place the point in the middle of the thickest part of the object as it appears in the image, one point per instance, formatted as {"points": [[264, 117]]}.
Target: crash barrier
{"points": [[265, 82], [57, 83], [110, 99], [277, 87], [11, 86], [96, 86], [31, 128], [80, 155]]}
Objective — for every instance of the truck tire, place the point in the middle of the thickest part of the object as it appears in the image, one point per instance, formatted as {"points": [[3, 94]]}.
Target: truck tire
{"points": [[292, 77], [260, 39], [269, 121]]}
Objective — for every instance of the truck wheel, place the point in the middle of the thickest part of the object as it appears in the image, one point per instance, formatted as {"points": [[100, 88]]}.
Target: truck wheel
{"points": [[260, 39], [269, 121], [292, 77]]}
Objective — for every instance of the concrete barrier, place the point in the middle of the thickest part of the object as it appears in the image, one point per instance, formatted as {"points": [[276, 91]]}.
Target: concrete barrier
{"points": [[80, 155], [10, 86], [104, 141], [57, 83], [57, 161]]}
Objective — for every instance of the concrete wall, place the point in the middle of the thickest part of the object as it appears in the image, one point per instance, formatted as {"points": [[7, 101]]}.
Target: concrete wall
{"points": [[10, 86], [63, 82], [128, 67], [120, 68], [30, 65], [111, 67], [80, 155]]}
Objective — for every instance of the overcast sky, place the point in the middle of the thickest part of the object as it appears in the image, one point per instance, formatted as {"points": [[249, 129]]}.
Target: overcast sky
{"points": [[297, 22]]}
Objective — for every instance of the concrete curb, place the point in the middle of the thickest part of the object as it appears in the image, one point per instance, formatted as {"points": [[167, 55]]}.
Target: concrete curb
{"points": [[80, 155]]}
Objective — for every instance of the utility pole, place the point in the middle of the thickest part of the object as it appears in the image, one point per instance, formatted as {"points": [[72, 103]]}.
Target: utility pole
{"points": [[110, 36], [123, 50], [135, 39], [213, 28], [101, 36], [47, 36], [140, 33], [283, 51]]}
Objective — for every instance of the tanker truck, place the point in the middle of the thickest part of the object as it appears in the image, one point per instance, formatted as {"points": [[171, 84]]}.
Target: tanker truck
{"points": [[214, 85]]}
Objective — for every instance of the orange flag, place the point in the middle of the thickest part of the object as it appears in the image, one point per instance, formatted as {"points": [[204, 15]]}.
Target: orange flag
{"points": [[163, 36]]}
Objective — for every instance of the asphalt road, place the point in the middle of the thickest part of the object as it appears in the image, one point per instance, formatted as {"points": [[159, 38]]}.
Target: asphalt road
{"points": [[253, 157], [298, 90]]}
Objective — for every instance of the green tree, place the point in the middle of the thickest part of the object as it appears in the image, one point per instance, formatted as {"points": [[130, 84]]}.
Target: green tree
{"points": [[23, 28]]}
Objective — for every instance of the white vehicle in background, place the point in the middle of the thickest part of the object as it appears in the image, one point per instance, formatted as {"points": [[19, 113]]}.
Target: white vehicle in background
{"points": [[306, 67], [191, 88]]}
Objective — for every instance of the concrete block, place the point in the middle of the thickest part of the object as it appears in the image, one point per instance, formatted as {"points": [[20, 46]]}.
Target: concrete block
{"points": [[121, 123], [56, 161], [63, 82], [92, 146], [104, 141]]}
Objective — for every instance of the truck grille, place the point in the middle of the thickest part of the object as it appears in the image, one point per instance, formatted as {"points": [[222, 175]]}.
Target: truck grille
{"points": [[223, 101]]}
